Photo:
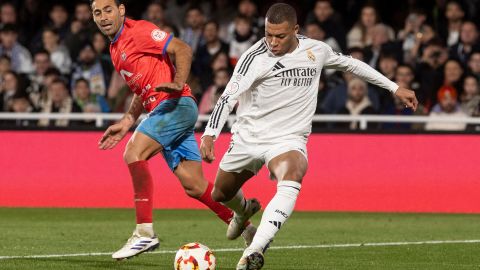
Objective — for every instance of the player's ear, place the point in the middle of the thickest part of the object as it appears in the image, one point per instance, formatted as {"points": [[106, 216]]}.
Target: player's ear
{"points": [[296, 28], [121, 9]]}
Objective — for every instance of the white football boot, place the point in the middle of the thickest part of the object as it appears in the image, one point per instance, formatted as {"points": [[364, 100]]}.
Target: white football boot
{"points": [[136, 245]]}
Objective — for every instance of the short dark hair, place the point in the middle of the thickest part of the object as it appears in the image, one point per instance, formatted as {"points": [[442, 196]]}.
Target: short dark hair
{"points": [[41, 51], [214, 22], [61, 81], [79, 80], [281, 12], [52, 71], [118, 2]]}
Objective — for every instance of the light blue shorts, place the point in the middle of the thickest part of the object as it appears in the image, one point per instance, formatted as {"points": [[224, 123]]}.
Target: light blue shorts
{"points": [[172, 125]]}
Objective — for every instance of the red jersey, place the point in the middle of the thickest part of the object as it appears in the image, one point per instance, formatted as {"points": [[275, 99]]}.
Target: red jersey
{"points": [[139, 54]]}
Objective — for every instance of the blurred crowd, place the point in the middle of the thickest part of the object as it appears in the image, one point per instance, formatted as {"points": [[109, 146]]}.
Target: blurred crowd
{"points": [[54, 59]]}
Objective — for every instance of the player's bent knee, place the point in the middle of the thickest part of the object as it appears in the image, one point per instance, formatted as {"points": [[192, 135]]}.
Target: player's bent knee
{"points": [[193, 191], [130, 156]]}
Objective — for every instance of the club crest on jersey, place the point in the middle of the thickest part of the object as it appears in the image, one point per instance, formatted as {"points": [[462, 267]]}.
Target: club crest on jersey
{"points": [[123, 56], [158, 35], [311, 56], [232, 89]]}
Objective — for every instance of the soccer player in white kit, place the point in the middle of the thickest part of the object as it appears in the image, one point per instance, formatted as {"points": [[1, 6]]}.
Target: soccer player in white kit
{"points": [[275, 83]]}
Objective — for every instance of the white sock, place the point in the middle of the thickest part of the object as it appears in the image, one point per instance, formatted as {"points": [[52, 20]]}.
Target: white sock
{"points": [[276, 214], [237, 203], [145, 229]]}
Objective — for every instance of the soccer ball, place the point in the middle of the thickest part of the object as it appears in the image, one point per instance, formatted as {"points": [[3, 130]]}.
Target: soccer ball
{"points": [[194, 256]]}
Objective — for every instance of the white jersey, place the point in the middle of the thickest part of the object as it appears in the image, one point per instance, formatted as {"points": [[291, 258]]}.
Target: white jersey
{"points": [[277, 95]]}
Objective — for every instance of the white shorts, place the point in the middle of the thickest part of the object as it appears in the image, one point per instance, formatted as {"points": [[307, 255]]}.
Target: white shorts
{"points": [[242, 156]]}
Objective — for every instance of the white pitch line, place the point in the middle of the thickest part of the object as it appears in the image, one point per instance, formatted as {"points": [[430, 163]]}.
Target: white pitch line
{"points": [[433, 242]]}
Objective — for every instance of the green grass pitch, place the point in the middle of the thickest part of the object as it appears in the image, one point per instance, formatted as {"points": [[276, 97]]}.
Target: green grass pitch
{"points": [[27, 232]]}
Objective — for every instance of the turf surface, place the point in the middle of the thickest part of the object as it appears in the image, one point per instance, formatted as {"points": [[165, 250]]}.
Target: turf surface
{"points": [[27, 232]]}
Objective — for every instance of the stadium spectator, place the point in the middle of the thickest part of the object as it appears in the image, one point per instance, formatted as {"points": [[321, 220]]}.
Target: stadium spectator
{"points": [[248, 10], [381, 44], [35, 90], [214, 91], [58, 101], [244, 37], [192, 32], [21, 104], [447, 107], [358, 102], [155, 14], [9, 87], [315, 31], [82, 29], [412, 56], [86, 100], [101, 46], [470, 98], [474, 64], [58, 16], [20, 56], [361, 33], [453, 75], [213, 44], [220, 60], [59, 55], [8, 14], [411, 33], [97, 71], [455, 14], [324, 14], [52, 74], [467, 43]]}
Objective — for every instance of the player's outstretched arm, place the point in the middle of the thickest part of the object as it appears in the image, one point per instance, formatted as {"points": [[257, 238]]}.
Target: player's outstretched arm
{"points": [[408, 97], [183, 61], [115, 133], [207, 149]]}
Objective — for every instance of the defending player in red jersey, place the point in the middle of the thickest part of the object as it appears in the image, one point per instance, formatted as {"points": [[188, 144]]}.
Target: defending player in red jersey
{"points": [[140, 53]]}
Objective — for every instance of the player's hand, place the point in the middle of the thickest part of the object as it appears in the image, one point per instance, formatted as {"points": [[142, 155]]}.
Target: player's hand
{"points": [[206, 149], [113, 135], [169, 87], [407, 97]]}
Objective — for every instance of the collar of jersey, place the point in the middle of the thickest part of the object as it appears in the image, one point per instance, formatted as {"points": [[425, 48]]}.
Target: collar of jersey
{"points": [[119, 32]]}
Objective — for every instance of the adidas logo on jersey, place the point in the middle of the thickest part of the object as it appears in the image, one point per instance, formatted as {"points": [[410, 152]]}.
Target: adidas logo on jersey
{"points": [[278, 66]]}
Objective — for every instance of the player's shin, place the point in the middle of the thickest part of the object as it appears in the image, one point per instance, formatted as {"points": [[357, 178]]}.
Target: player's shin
{"points": [[143, 189], [276, 214], [237, 203], [220, 210]]}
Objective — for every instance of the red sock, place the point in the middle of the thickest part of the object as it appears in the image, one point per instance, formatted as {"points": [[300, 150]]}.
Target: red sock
{"points": [[143, 188], [222, 212]]}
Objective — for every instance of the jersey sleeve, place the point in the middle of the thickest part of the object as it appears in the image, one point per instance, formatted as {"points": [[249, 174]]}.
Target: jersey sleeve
{"points": [[244, 76], [150, 39], [338, 61]]}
